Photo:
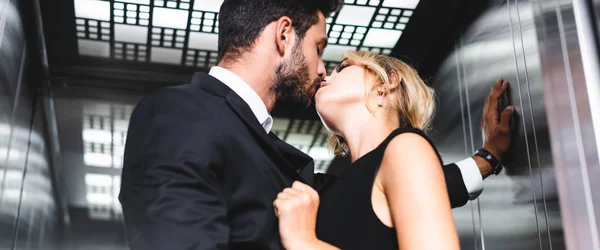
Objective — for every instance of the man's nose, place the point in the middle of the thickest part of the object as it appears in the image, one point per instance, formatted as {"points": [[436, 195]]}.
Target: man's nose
{"points": [[321, 71]]}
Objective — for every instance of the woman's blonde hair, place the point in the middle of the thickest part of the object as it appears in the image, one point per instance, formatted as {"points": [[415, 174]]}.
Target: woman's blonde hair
{"points": [[415, 102]]}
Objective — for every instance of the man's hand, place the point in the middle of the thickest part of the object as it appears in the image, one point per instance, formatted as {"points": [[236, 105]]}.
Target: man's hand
{"points": [[496, 129]]}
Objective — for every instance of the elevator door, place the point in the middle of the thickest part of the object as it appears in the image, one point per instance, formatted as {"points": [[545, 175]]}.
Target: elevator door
{"points": [[519, 208]]}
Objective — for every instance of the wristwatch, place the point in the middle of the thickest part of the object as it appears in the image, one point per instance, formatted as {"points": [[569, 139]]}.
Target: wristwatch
{"points": [[491, 159]]}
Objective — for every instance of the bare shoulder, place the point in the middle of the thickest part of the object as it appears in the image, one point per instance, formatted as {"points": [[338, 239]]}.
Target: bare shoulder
{"points": [[408, 150]]}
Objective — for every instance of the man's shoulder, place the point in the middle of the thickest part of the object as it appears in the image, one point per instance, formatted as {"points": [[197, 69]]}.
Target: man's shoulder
{"points": [[176, 91], [188, 93]]}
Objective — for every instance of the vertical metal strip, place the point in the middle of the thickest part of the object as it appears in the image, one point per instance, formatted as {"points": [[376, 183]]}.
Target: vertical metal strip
{"points": [[3, 9], [589, 40], [578, 138], [464, 124], [51, 123], [472, 148], [537, 154], [512, 32], [12, 121], [17, 220], [30, 225]]}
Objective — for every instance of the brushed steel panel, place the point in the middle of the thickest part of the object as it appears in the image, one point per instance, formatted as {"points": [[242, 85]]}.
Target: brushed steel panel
{"points": [[27, 205], [518, 208], [570, 120], [10, 55]]}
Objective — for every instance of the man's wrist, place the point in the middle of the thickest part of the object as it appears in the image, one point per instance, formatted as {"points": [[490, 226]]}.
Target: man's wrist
{"points": [[494, 152], [484, 166]]}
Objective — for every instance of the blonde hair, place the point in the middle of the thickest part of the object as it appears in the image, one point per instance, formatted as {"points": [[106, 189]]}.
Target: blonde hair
{"points": [[414, 103]]}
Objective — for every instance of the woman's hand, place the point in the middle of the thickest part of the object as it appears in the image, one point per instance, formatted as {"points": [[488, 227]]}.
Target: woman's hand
{"points": [[296, 208]]}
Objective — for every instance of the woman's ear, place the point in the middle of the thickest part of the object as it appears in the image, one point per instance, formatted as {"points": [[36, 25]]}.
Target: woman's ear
{"points": [[380, 88], [395, 79]]}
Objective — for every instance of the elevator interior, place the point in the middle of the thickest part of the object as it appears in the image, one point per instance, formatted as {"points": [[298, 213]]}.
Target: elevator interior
{"points": [[72, 71]]}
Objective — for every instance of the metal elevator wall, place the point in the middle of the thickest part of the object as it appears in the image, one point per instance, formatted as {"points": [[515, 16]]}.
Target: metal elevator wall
{"points": [[513, 40], [28, 214]]}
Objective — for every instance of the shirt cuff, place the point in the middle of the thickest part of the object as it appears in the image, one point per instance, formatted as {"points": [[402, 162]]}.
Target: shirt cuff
{"points": [[471, 176]]}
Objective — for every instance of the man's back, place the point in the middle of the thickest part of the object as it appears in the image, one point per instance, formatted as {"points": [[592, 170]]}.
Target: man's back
{"points": [[200, 173]]}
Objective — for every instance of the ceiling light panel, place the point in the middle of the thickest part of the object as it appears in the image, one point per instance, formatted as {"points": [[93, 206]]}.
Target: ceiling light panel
{"points": [[185, 32]]}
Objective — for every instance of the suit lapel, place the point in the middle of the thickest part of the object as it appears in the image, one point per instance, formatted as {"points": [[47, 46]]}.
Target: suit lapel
{"points": [[301, 162], [243, 111]]}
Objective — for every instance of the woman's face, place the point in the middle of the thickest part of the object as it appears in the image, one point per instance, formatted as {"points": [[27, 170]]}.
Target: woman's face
{"points": [[343, 89]]}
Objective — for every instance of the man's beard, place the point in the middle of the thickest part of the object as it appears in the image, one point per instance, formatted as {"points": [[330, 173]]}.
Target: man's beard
{"points": [[290, 79]]}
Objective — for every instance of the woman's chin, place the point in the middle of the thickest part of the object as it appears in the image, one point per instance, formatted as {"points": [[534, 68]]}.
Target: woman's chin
{"points": [[318, 98]]}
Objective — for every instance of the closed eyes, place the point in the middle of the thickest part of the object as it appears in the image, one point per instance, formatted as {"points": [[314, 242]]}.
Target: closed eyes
{"points": [[342, 66]]}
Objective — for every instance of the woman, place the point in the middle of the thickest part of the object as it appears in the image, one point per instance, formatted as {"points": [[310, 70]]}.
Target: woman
{"points": [[394, 196]]}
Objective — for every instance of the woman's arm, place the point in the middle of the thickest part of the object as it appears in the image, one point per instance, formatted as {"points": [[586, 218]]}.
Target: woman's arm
{"points": [[296, 207], [413, 183]]}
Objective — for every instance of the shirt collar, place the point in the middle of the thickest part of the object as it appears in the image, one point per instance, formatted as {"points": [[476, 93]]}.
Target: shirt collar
{"points": [[242, 89]]}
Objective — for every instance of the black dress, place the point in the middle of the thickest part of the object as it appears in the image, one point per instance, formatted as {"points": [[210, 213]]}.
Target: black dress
{"points": [[346, 218]]}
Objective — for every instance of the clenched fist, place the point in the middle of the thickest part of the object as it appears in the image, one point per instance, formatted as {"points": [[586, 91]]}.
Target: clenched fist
{"points": [[296, 208]]}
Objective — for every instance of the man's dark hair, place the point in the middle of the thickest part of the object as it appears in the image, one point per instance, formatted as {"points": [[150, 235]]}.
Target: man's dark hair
{"points": [[242, 21]]}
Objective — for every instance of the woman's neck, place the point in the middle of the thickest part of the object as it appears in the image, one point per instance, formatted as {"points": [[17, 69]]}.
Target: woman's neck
{"points": [[365, 132]]}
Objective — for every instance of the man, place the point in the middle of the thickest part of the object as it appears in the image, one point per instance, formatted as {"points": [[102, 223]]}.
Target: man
{"points": [[201, 168]]}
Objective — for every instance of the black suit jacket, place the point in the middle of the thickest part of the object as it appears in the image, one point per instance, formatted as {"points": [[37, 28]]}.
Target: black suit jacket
{"points": [[200, 172]]}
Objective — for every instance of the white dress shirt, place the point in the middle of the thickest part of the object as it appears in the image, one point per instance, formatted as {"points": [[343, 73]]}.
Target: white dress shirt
{"points": [[468, 167], [241, 88], [471, 176]]}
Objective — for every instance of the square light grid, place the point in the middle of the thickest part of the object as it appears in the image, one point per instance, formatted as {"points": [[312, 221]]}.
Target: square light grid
{"points": [[204, 21], [309, 137], [102, 192], [201, 58], [93, 29], [104, 133], [131, 13], [391, 18], [130, 52], [340, 34], [184, 32], [175, 4], [170, 38], [363, 2]]}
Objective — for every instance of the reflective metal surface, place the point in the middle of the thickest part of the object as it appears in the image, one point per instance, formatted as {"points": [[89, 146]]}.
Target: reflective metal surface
{"points": [[27, 204], [519, 209], [570, 70]]}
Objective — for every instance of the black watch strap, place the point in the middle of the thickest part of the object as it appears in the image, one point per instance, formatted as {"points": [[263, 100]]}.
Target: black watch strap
{"points": [[491, 159]]}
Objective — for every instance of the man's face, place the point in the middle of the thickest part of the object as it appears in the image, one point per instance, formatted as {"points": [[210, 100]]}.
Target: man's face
{"points": [[298, 76]]}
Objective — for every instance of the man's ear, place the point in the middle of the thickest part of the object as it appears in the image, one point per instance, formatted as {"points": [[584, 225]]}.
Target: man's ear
{"points": [[284, 34]]}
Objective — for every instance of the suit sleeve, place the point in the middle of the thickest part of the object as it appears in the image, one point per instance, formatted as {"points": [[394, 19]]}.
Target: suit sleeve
{"points": [[172, 193], [457, 191]]}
